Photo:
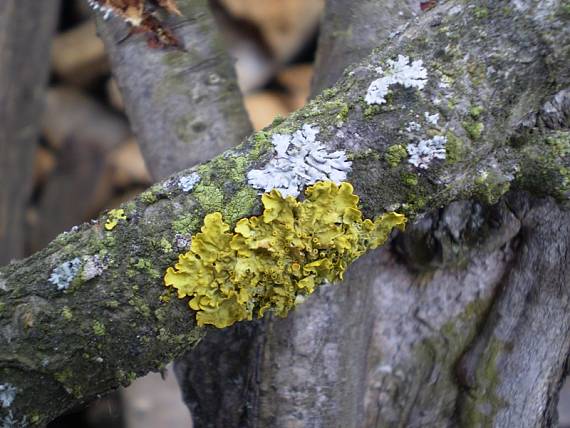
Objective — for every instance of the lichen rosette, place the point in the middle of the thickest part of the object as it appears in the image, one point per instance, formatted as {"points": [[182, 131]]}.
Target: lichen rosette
{"points": [[273, 261]]}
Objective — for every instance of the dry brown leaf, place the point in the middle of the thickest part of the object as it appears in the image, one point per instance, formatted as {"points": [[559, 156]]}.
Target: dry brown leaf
{"points": [[141, 18]]}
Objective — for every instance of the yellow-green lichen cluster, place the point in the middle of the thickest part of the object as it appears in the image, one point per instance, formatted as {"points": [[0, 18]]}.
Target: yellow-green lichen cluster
{"points": [[270, 262], [114, 217]]}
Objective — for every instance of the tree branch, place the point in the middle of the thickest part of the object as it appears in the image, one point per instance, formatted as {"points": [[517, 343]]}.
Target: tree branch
{"points": [[62, 347], [184, 104]]}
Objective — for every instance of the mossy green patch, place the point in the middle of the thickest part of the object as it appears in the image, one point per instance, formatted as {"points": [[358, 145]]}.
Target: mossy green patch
{"points": [[454, 149], [329, 93], [99, 328], [148, 197], [278, 120], [140, 306], [445, 348], [410, 179], [145, 266], [565, 9], [112, 304], [165, 245], [481, 12], [473, 129], [186, 224], [371, 110], [241, 205], [66, 313], [395, 155], [544, 165], [210, 197], [490, 186], [481, 405], [476, 112]]}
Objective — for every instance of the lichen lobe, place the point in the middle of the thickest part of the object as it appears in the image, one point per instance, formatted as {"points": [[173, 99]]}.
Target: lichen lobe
{"points": [[272, 261]]}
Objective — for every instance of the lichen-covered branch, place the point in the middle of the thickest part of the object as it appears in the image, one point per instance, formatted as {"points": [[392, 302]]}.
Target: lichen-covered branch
{"points": [[349, 31], [90, 312]]}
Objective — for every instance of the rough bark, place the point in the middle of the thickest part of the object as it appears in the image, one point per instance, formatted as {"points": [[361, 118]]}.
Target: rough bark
{"points": [[25, 37], [99, 333], [184, 104]]}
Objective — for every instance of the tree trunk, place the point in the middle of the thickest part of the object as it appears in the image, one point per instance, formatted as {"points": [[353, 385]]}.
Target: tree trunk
{"points": [[64, 342]]}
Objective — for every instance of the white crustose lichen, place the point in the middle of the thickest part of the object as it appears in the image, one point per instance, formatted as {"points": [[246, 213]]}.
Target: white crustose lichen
{"points": [[425, 151], [403, 72], [300, 160], [63, 274], [188, 182], [431, 118], [7, 394]]}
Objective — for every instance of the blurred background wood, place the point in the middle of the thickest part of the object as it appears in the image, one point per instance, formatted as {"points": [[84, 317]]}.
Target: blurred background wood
{"points": [[26, 27]]}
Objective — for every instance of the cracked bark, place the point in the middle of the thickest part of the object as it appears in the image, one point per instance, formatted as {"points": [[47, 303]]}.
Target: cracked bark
{"points": [[119, 328]]}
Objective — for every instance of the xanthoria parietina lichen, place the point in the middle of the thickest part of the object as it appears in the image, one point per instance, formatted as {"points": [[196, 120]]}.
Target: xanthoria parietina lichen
{"points": [[273, 261]]}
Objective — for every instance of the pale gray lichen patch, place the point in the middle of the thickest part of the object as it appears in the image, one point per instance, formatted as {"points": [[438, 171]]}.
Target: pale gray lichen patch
{"points": [[300, 160], [7, 394], [413, 127], [10, 421], [93, 266], [188, 182], [425, 151], [432, 119], [402, 72], [63, 274]]}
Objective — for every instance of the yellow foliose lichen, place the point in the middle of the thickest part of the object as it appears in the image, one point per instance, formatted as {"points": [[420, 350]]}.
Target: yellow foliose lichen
{"points": [[271, 262], [114, 217]]}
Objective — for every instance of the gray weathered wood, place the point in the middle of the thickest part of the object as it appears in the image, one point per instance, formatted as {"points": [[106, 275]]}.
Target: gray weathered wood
{"points": [[26, 28]]}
